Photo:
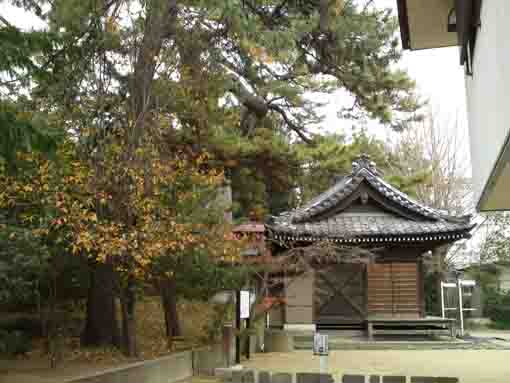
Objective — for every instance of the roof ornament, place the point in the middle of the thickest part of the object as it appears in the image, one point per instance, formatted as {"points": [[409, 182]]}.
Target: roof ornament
{"points": [[364, 198], [363, 162]]}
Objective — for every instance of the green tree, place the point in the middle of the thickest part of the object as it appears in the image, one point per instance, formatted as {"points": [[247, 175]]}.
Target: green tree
{"points": [[22, 126]]}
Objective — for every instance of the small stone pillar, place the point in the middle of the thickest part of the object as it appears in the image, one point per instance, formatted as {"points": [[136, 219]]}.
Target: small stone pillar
{"points": [[228, 344]]}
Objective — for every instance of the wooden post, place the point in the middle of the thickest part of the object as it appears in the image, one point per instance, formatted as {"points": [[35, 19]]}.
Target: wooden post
{"points": [[461, 309], [421, 288], [443, 314], [370, 330], [238, 326], [247, 339]]}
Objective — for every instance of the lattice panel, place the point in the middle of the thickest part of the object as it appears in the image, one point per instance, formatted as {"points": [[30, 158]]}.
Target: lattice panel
{"points": [[340, 292]]}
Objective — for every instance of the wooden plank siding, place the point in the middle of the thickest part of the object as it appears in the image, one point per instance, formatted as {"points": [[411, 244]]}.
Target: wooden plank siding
{"points": [[299, 299], [393, 289]]}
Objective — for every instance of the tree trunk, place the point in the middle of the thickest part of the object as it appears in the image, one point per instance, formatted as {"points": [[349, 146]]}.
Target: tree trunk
{"points": [[169, 300], [324, 16], [101, 327], [53, 336], [159, 25], [128, 300]]}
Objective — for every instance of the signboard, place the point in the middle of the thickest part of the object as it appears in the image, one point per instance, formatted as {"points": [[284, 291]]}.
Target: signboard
{"points": [[245, 304], [466, 282], [320, 344]]}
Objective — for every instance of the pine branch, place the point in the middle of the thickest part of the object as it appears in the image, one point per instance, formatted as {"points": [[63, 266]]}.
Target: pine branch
{"points": [[300, 131], [7, 24]]}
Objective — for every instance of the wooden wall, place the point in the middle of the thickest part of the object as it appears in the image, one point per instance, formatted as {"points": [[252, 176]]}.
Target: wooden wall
{"points": [[277, 316], [299, 298], [394, 289]]}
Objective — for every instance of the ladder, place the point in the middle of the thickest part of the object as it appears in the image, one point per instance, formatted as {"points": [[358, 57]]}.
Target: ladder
{"points": [[459, 285]]}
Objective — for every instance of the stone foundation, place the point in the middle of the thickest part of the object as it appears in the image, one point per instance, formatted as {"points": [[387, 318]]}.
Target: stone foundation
{"points": [[278, 341]]}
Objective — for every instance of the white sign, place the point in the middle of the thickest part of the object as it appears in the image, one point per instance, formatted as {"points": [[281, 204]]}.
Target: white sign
{"points": [[465, 282], [245, 304], [320, 344]]}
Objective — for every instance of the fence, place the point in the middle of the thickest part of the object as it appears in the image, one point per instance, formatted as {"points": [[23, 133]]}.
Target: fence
{"points": [[169, 369]]}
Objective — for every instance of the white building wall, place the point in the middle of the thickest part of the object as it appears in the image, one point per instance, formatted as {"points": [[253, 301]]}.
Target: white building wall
{"points": [[488, 90]]}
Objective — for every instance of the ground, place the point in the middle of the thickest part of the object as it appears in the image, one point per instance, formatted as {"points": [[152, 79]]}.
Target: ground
{"points": [[470, 366], [34, 367], [37, 370]]}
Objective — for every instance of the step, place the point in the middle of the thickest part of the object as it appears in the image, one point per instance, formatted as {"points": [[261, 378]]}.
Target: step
{"points": [[388, 345]]}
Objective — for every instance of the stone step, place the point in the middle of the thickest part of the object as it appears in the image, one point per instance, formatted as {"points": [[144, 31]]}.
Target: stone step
{"points": [[389, 345]]}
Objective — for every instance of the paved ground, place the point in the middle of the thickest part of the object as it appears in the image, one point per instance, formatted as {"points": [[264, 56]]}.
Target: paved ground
{"points": [[470, 366], [499, 334]]}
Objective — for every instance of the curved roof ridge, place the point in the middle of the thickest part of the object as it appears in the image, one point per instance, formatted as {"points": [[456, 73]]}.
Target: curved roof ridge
{"points": [[436, 213], [325, 200], [403, 199], [364, 169], [326, 194]]}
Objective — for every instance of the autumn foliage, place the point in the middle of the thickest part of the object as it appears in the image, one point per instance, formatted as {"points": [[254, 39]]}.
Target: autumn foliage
{"points": [[129, 216]]}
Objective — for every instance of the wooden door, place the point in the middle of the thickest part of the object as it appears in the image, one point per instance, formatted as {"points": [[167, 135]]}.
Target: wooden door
{"points": [[340, 293], [393, 289]]}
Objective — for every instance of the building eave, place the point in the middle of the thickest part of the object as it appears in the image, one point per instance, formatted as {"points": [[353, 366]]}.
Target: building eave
{"points": [[365, 240], [499, 173], [403, 20], [423, 24]]}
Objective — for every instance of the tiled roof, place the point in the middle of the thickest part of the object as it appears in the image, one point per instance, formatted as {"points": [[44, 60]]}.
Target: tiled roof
{"points": [[341, 226], [306, 221]]}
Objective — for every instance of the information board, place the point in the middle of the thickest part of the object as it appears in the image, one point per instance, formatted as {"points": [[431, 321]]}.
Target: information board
{"points": [[245, 304], [320, 344]]}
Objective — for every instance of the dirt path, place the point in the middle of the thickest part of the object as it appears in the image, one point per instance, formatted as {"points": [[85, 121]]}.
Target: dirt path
{"points": [[470, 366]]}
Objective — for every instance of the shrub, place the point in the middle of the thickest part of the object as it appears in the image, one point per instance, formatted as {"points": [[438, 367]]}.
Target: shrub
{"points": [[14, 343], [432, 294], [500, 325], [497, 305], [29, 325], [213, 328]]}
